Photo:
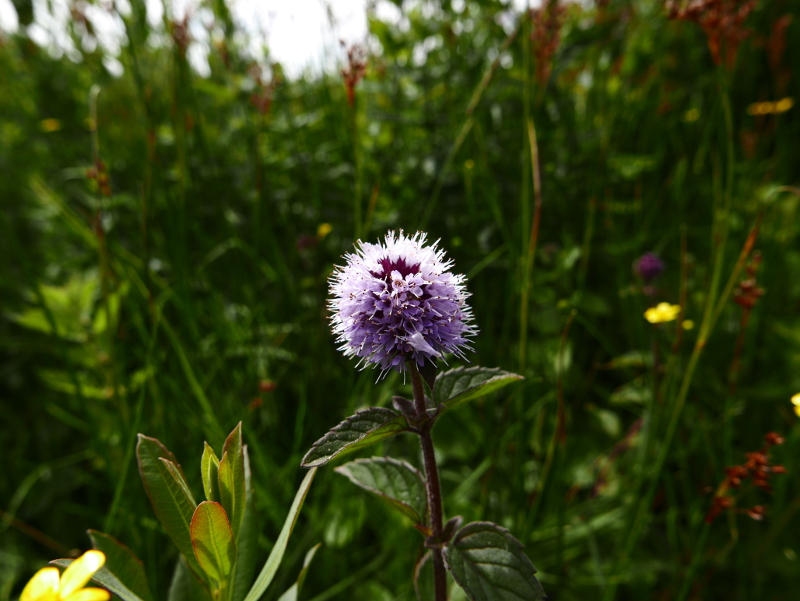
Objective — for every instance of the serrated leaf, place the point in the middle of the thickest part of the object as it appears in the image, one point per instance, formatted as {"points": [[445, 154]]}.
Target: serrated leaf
{"points": [[424, 583], [246, 543], [185, 586], [107, 579], [209, 468], [122, 563], [233, 499], [212, 539], [365, 428], [488, 563], [276, 555], [393, 480], [463, 384], [169, 495], [293, 591]]}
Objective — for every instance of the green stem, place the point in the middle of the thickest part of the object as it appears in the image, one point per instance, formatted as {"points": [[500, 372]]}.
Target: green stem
{"points": [[696, 555]]}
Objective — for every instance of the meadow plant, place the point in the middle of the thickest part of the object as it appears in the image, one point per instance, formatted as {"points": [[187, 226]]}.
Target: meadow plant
{"points": [[216, 537], [397, 306]]}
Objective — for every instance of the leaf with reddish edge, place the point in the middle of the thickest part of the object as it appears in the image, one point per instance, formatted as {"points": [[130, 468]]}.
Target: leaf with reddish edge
{"points": [[212, 539]]}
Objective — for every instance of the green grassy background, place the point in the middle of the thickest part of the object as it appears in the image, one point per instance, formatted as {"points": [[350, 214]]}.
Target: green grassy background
{"points": [[162, 307]]}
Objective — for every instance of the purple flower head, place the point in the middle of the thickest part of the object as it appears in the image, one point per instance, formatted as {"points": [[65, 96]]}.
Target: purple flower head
{"points": [[649, 266], [397, 301]]}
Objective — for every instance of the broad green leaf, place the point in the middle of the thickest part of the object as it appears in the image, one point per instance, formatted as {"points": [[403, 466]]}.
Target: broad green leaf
{"points": [[170, 496], [185, 586], [209, 467], [488, 563], [212, 539], [294, 590], [274, 560], [463, 384], [246, 545], [424, 585], [106, 579], [395, 481], [122, 563], [365, 428], [232, 489]]}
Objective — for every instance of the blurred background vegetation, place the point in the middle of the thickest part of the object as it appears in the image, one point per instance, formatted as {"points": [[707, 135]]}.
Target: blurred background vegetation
{"points": [[166, 238]]}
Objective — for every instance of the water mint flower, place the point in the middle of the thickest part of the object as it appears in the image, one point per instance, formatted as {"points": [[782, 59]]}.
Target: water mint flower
{"points": [[649, 266], [398, 301]]}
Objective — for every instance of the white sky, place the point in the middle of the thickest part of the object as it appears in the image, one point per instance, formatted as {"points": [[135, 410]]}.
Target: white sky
{"points": [[300, 34]]}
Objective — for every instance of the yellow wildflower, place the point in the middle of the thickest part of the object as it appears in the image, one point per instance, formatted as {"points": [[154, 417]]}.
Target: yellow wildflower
{"points": [[48, 585], [691, 115], [796, 403], [323, 230], [687, 324], [662, 312], [771, 108], [49, 125]]}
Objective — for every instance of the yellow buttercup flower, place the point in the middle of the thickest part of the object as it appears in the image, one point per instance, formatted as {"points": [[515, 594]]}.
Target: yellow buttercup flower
{"points": [[688, 324], [662, 312], [323, 230], [796, 403], [48, 585]]}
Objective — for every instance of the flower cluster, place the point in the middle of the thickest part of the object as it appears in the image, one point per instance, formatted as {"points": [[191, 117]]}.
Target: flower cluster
{"points": [[546, 36], [721, 20], [757, 469], [355, 70], [397, 301], [48, 585]]}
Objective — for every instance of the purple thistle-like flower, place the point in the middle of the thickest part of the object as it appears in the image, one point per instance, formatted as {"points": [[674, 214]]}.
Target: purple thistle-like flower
{"points": [[397, 301], [649, 266]]}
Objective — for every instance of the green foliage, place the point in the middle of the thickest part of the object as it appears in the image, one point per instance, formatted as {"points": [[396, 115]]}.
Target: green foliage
{"points": [[463, 384], [393, 480], [365, 428], [274, 560], [488, 563], [172, 500], [123, 564]]}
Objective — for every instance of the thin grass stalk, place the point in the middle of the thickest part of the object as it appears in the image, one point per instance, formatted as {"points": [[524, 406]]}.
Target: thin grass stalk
{"points": [[137, 418], [697, 555], [532, 242], [102, 250], [559, 432]]}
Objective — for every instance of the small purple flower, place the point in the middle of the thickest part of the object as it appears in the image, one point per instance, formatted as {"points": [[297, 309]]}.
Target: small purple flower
{"points": [[649, 266], [398, 301]]}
